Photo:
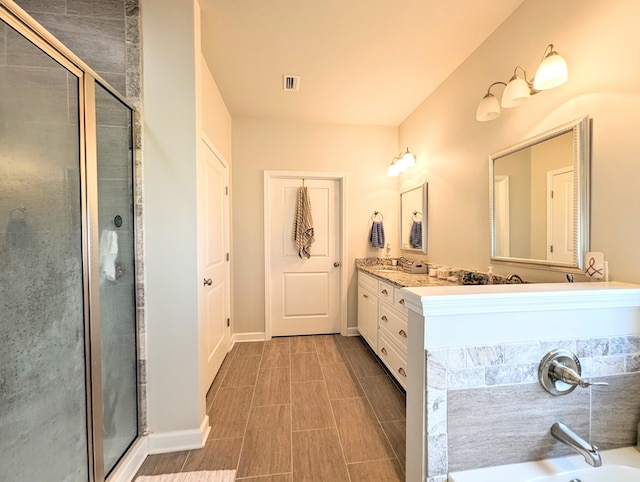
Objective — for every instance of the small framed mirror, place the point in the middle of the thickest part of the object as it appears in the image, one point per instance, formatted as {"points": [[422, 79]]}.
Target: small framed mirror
{"points": [[539, 199], [413, 219]]}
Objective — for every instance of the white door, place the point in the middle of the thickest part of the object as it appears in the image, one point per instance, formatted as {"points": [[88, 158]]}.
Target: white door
{"points": [[560, 215], [304, 293], [214, 297]]}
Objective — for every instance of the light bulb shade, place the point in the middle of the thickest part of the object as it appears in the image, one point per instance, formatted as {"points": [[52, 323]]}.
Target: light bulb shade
{"points": [[516, 92], [408, 159], [488, 109], [551, 73], [392, 170]]}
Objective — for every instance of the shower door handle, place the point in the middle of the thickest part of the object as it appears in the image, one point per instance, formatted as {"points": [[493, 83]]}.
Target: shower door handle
{"points": [[208, 281]]}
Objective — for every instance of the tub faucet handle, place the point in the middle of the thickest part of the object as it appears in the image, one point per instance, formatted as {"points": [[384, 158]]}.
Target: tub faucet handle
{"points": [[560, 373], [566, 374]]}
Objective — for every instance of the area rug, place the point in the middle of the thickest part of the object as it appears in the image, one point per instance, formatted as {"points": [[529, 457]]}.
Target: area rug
{"points": [[202, 476]]}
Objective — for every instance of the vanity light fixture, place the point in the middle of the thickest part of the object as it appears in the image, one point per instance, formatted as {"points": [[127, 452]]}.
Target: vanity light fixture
{"points": [[551, 73], [401, 163]]}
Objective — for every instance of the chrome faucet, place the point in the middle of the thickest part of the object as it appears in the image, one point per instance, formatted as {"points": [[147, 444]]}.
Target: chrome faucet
{"points": [[568, 437], [514, 279]]}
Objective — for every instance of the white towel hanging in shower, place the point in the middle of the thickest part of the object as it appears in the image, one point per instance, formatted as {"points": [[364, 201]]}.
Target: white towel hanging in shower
{"points": [[108, 254]]}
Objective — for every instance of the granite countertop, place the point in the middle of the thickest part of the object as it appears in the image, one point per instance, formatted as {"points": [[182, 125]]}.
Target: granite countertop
{"points": [[395, 276]]}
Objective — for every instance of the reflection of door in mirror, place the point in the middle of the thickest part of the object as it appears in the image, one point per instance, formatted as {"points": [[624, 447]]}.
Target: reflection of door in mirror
{"points": [[560, 215], [532, 219], [502, 215], [539, 193]]}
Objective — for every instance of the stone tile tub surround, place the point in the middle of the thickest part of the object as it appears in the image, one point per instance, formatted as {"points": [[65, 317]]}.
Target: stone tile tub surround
{"points": [[474, 354], [485, 406]]}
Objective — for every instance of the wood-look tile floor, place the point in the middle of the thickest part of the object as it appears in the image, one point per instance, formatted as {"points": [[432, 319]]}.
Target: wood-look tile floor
{"points": [[305, 408]]}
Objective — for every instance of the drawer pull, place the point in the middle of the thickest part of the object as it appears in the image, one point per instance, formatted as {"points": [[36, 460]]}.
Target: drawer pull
{"points": [[402, 372], [402, 333], [383, 350], [365, 296], [401, 301], [384, 292], [384, 318]]}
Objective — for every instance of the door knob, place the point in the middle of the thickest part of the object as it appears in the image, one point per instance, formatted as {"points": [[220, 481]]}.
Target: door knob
{"points": [[336, 264], [208, 281]]}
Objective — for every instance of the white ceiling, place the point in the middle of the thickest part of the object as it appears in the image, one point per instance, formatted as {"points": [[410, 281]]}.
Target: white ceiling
{"points": [[368, 62]]}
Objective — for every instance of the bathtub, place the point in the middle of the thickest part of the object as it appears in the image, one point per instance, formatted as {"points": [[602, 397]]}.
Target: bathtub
{"points": [[618, 465]]}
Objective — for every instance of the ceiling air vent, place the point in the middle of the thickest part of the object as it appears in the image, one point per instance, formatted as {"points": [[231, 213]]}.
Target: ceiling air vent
{"points": [[290, 82]]}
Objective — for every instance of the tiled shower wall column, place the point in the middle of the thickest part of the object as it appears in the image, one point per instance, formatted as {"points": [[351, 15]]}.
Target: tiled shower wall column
{"points": [[485, 406], [106, 35]]}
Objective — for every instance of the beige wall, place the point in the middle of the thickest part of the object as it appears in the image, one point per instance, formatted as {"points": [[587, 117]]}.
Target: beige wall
{"points": [[173, 125], [362, 152], [216, 120], [599, 40], [170, 215]]}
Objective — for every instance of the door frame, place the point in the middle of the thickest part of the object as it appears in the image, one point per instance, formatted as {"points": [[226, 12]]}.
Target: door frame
{"points": [[342, 188]]}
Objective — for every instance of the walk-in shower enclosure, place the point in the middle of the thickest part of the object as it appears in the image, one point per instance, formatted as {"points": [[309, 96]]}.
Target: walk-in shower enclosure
{"points": [[68, 348]]}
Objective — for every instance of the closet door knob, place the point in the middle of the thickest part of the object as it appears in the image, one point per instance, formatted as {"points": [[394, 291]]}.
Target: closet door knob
{"points": [[336, 264], [208, 281]]}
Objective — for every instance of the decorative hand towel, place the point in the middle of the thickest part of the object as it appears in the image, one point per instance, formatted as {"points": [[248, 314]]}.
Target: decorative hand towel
{"points": [[302, 232], [415, 236], [377, 234], [108, 254]]}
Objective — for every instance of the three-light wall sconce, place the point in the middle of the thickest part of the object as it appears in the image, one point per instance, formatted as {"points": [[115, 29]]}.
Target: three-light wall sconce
{"points": [[551, 73], [401, 163]]}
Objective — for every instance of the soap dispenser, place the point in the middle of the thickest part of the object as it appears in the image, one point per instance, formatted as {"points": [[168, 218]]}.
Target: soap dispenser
{"points": [[490, 275]]}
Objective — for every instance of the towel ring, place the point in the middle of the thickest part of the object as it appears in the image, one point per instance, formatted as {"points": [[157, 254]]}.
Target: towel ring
{"points": [[377, 213], [22, 210], [417, 216]]}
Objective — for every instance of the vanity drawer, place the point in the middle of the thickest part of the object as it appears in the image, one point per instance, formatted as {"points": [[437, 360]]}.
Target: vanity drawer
{"points": [[398, 301], [395, 326], [386, 292], [396, 362], [367, 282]]}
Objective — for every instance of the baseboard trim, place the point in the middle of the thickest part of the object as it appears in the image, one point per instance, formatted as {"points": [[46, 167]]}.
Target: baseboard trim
{"points": [[352, 331], [132, 461], [256, 336], [160, 443]]}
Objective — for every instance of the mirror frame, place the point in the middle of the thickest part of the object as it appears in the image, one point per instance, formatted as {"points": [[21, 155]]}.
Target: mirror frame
{"points": [[581, 201], [424, 206]]}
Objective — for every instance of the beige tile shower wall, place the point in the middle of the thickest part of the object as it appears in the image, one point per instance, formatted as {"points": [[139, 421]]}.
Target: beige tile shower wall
{"points": [[485, 406]]}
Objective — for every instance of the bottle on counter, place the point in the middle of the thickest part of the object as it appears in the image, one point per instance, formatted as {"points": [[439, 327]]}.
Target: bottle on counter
{"points": [[491, 276]]}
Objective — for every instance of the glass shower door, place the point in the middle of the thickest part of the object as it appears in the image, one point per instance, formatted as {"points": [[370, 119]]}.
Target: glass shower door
{"points": [[43, 394], [117, 276]]}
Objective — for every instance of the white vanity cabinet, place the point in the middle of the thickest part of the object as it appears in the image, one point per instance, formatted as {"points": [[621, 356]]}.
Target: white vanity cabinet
{"points": [[387, 332], [368, 308]]}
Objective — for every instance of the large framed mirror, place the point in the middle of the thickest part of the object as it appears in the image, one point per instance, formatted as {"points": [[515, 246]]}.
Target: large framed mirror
{"points": [[539, 199], [413, 219]]}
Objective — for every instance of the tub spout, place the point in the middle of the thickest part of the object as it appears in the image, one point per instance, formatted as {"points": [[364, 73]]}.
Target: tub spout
{"points": [[568, 437]]}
